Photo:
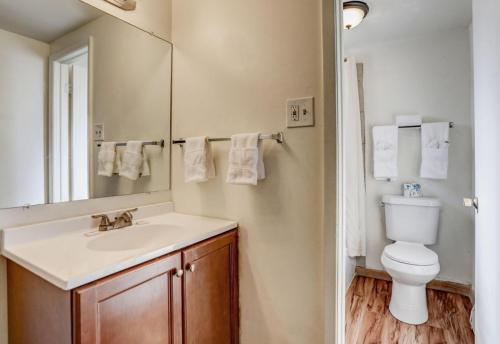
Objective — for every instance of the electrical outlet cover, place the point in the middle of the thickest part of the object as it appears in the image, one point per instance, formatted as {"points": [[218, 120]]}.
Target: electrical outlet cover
{"points": [[300, 112], [99, 132]]}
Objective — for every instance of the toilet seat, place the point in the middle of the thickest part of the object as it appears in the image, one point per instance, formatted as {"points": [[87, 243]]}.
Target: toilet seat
{"points": [[411, 254]]}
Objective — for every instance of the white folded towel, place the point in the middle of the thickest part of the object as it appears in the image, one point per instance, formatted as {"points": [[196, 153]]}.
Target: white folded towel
{"points": [[198, 160], [385, 152], [145, 169], [132, 160], [435, 142], [408, 120], [118, 162], [246, 160], [106, 159]]}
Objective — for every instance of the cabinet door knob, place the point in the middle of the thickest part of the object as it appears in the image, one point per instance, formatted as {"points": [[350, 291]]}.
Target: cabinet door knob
{"points": [[179, 272], [191, 267]]}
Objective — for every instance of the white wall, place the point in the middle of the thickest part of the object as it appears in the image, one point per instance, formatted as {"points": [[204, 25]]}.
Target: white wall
{"points": [[486, 33], [235, 64], [429, 76], [23, 106], [131, 74]]}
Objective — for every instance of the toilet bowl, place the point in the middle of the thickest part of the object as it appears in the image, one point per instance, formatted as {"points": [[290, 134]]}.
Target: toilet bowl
{"points": [[411, 266], [411, 223]]}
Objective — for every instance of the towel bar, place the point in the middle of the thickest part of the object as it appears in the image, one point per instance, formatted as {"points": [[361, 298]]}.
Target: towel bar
{"points": [[278, 137], [452, 125], [160, 143]]}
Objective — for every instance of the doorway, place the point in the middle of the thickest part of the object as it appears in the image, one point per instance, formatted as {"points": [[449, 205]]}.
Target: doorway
{"points": [[395, 65], [69, 125]]}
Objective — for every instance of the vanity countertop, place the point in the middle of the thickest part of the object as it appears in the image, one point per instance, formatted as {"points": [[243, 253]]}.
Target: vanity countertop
{"points": [[70, 253]]}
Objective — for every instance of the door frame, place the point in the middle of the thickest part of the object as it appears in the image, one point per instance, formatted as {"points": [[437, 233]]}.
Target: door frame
{"points": [[333, 176], [55, 60], [486, 53], [340, 247]]}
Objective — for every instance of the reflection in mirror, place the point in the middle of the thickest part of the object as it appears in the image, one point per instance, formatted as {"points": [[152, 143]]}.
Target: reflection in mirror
{"points": [[71, 80]]}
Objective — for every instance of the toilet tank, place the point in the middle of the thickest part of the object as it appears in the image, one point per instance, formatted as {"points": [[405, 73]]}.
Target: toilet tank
{"points": [[411, 219]]}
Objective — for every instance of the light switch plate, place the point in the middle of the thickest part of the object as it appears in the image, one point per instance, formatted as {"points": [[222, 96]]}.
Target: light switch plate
{"points": [[99, 132], [300, 112]]}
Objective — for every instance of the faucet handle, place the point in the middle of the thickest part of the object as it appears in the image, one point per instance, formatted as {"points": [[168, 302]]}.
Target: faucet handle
{"points": [[129, 212], [105, 221]]}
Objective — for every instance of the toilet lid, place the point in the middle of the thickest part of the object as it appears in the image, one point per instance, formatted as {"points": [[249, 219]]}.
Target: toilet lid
{"points": [[411, 253]]}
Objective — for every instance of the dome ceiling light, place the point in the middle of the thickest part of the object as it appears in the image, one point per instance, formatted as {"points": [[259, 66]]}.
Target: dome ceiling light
{"points": [[354, 13]]}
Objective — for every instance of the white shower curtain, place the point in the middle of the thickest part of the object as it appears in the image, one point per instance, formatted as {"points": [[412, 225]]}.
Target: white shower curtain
{"points": [[354, 166]]}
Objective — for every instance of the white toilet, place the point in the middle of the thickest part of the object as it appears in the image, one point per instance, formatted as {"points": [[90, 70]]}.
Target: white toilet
{"points": [[411, 223]]}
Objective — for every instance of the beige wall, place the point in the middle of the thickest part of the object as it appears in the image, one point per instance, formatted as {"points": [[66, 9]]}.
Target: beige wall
{"points": [[235, 64], [154, 16], [124, 58]]}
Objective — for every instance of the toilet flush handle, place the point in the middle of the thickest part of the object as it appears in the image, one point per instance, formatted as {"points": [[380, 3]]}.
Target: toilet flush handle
{"points": [[472, 202]]}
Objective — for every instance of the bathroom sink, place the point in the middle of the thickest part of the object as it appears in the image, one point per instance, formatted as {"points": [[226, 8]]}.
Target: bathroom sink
{"points": [[131, 238], [70, 253]]}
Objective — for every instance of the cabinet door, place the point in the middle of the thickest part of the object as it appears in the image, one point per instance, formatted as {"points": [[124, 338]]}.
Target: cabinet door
{"points": [[142, 305], [211, 291]]}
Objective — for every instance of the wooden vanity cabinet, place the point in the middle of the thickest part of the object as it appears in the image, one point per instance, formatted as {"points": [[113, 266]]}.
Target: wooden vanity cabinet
{"points": [[142, 305], [187, 297], [211, 292]]}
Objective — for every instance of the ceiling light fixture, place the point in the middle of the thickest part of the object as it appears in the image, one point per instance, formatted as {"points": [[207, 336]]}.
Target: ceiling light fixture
{"points": [[354, 13]]}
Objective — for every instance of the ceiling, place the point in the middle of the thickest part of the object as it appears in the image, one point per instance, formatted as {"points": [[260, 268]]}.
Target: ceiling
{"points": [[44, 20], [396, 19]]}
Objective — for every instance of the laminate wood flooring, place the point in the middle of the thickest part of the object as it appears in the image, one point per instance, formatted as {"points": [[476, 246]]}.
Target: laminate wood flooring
{"points": [[368, 319]]}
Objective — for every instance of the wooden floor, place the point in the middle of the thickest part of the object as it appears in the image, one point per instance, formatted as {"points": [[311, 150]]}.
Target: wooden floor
{"points": [[368, 319]]}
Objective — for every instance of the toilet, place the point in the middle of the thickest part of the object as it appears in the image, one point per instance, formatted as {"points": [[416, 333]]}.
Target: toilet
{"points": [[412, 223]]}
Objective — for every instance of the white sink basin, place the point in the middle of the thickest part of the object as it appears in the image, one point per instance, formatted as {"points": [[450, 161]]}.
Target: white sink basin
{"points": [[130, 238]]}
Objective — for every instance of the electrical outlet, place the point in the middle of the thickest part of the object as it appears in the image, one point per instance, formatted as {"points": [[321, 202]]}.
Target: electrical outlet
{"points": [[294, 113], [300, 112], [99, 132]]}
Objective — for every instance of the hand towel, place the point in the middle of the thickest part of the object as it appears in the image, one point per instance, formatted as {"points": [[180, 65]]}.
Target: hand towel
{"points": [[118, 162], [145, 169], [408, 120], [385, 152], [198, 160], [246, 160], [132, 160], [435, 138], [106, 159]]}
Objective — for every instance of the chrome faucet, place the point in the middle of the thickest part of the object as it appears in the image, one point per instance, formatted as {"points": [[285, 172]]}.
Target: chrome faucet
{"points": [[125, 219]]}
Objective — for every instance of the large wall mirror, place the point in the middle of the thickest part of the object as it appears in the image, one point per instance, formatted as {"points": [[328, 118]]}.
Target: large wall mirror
{"points": [[74, 81]]}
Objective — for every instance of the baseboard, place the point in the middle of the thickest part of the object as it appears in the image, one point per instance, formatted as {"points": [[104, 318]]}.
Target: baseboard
{"points": [[450, 287]]}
